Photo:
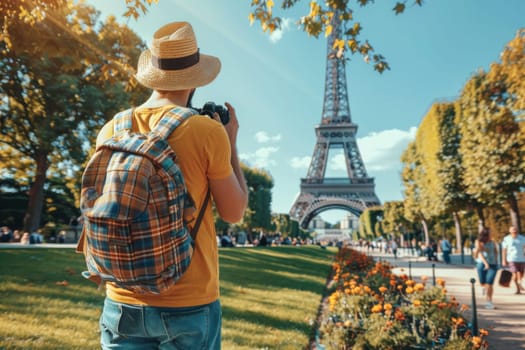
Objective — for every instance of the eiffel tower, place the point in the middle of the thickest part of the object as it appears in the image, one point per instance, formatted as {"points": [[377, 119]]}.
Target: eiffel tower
{"points": [[318, 193]]}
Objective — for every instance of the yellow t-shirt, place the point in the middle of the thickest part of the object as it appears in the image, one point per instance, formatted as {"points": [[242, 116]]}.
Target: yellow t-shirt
{"points": [[203, 150]]}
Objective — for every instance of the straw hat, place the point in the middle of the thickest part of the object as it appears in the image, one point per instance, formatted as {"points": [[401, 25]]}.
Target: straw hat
{"points": [[173, 61]]}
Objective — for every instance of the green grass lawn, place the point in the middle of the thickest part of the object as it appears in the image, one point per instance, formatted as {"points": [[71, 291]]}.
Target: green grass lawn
{"points": [[269, 297]]}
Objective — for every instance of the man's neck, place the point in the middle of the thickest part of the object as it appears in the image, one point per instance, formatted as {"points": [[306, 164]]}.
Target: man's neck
{"points": [[164, 98]]}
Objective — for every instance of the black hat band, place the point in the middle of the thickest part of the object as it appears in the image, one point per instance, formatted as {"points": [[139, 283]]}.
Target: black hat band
{"points": [[176, 63]]}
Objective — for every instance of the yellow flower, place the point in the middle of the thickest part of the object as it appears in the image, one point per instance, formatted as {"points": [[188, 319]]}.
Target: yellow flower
{"points": [[388, 307], [377, 308], [419, 287], [409, 290], [417, 303]]}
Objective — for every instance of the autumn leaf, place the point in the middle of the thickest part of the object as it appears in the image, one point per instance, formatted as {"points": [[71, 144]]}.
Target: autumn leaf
{"points": [[399, 8]]}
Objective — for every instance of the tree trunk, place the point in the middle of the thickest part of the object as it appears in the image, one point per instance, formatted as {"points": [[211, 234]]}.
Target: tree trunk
{"points": [[481, 216], [36, 195], [459, 233], [514, 212], [425, 230]]}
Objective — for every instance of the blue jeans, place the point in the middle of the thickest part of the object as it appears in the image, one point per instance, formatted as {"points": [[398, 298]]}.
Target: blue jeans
{"points": [[446, 256], [486, 276], [137, 327]]}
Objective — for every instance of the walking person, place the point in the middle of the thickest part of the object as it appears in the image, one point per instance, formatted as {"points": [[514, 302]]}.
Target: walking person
{"points": [[393, 246], [188, 314], [486, 255], [513, 256]]}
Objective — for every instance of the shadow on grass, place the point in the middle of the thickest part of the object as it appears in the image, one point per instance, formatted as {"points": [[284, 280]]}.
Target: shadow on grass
{"points": [[276, 267], [263, 319]]}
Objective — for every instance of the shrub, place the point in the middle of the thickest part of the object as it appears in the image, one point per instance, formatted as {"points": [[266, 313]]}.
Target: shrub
{"points": [[369, 307]]}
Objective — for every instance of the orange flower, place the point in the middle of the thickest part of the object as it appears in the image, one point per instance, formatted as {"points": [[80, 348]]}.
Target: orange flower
{"points": [[377, 308], [419, 287], [393, 283], [383, 289], [410, 282], [476, 341], [409, 290], [388, 307], [417, 303], [440, 282], [399, 315]]}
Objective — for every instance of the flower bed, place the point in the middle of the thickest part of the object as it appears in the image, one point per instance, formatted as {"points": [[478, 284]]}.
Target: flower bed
{"points": [[369, 307]]}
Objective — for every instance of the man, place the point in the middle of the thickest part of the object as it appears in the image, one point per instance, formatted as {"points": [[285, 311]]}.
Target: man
{"points": [[188, 315], [513, 255], [445, 249]]}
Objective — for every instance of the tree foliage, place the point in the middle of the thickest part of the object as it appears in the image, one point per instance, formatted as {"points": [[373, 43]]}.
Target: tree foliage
{"points": [[469, 154], [319, 21], [369, 223], [258, 214], [57, 91], [314, 23], [491, 144]]}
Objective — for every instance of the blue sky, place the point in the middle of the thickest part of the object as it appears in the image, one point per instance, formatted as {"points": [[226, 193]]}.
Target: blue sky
{"points": [[276, 83]]}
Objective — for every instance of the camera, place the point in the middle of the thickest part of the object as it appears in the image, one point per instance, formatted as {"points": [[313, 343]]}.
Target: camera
{"points": [[210, 107]]}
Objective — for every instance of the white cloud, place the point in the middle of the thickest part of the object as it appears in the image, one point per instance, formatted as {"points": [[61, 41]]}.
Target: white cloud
{"points": [[337, 162], [278, 33], [263, 137], [261, 158], [300, 162], [381, 151]]}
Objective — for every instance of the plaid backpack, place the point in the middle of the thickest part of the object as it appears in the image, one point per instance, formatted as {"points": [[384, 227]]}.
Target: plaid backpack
{"points": [[134, 203]]}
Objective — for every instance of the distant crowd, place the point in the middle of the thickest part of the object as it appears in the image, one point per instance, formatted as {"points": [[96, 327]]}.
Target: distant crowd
{"points": [[16, 236]]}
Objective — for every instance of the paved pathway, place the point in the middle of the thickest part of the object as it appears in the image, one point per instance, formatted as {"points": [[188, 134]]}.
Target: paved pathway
{"points": [[506, 324]]}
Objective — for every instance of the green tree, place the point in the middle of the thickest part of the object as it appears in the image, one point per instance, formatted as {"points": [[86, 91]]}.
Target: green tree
{"points": [[438, 142], [510, 70], [369, 223], [491, 144], [394, 220], [411, 176], [57, 90], [258, 214]]}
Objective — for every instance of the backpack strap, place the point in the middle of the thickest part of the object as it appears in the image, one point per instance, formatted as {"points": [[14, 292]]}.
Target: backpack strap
{"points": [[195, 229], [122, 121], [171, 120]]}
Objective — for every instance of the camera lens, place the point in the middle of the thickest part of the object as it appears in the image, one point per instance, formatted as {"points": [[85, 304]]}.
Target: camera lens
{"points": [[210, 107]]}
